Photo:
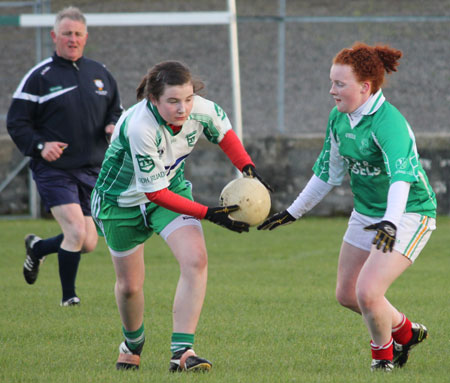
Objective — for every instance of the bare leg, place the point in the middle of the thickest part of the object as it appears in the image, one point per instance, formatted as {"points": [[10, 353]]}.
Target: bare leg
{"points": [[188, 246], [90, 242], [376, 276], [362, 281], [351, 260], [130, 275], [79, 231]]}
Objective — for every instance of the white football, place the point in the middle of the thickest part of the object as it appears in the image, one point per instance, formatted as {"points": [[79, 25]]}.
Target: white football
{"points": [[252, 197]]}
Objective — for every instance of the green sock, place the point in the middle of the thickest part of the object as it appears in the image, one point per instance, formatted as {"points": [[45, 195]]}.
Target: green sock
{"points": [[181, 341], [134, 338]]}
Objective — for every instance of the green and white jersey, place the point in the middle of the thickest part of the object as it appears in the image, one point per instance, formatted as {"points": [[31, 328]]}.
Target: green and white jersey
{"points": [[376, 150], [145, 155]]}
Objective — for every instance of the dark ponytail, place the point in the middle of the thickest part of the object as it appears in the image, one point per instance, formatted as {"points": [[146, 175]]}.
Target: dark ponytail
{"points": [[166, 73]]}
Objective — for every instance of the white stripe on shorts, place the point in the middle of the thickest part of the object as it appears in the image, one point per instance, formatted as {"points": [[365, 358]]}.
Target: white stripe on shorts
{"points": [[180, 221]]}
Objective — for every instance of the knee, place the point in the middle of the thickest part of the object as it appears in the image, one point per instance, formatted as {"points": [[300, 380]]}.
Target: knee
{"points": [[76, 235], [365, 297], [90, 244], [197, 261], [128, 288], [346, 299]]}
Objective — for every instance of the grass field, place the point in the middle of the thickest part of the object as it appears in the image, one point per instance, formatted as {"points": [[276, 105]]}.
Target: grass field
{"points": [[270, 314]]}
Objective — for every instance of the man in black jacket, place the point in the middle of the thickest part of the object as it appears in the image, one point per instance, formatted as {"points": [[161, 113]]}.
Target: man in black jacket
{"points": [[62, 114]]}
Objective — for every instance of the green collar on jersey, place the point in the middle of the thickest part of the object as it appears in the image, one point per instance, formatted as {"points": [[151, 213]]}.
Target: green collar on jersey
{"points": [[173, 130]]}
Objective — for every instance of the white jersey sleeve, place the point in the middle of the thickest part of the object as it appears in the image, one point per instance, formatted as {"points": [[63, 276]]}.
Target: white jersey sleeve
{"points": [[311, 195], [396, 201]]}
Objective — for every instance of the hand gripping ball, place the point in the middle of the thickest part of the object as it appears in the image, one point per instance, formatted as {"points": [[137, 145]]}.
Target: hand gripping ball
{"points": [[251, 196]]}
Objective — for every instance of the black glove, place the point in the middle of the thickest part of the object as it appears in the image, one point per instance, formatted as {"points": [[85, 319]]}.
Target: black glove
{"points": [[250, 171], [385, 238], [278, 219], [219, 216]]}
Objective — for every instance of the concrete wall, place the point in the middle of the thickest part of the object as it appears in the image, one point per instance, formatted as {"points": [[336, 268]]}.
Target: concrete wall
{"points": [[285, 162]]}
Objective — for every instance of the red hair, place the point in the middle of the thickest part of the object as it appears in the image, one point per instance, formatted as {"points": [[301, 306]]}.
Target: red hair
{"points": [[369, 63]]}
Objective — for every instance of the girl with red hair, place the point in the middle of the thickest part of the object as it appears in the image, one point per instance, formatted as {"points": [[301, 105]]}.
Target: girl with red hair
{"points": [[394, 205]]}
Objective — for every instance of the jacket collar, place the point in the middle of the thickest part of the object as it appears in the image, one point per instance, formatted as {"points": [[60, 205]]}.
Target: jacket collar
{"points": [[61, 60]]}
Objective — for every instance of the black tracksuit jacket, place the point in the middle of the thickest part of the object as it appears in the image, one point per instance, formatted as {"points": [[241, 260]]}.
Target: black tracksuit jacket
{"points": [[71, 102]]}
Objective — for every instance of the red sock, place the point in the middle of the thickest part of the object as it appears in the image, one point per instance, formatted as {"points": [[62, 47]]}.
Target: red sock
{"points": [[402, 332], [382, 352]]}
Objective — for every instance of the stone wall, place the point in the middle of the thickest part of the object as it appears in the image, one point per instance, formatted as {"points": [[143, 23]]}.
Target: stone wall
{"points": [[285, 162]]}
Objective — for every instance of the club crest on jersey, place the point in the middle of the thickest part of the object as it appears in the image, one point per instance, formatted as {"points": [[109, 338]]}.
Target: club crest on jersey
{"points": [[100, 85], [145, 163], [190, 138], [364, 146]]}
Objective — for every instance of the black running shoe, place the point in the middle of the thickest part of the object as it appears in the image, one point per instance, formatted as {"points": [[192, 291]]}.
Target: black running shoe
{"points": [[129, 359], [187, 360], [401, 351], [382, 365], [31, 265]]}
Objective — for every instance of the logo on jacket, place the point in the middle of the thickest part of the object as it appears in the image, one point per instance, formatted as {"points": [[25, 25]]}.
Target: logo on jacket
{"points": [[100, 85], [45, 70], [55, 88]]}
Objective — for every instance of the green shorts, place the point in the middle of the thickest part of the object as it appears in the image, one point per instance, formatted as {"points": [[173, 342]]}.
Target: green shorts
{"points": [[124, 228]]}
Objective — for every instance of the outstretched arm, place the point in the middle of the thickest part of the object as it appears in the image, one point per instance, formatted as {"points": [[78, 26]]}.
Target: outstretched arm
{"points": [[182, 205], [314, 192], [311, 195]]}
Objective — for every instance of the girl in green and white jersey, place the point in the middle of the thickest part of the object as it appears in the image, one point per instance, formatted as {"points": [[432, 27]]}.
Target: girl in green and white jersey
{"points": [[141, 190], [394, 204]]}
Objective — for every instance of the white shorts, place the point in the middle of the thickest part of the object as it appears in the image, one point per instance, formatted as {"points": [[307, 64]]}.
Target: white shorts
{"points": [[180, 221], [413, 233]]}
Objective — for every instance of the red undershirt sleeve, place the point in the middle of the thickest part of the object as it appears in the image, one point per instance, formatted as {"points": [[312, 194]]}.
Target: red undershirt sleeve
{"points": [[235, 151], [177, 203]]}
